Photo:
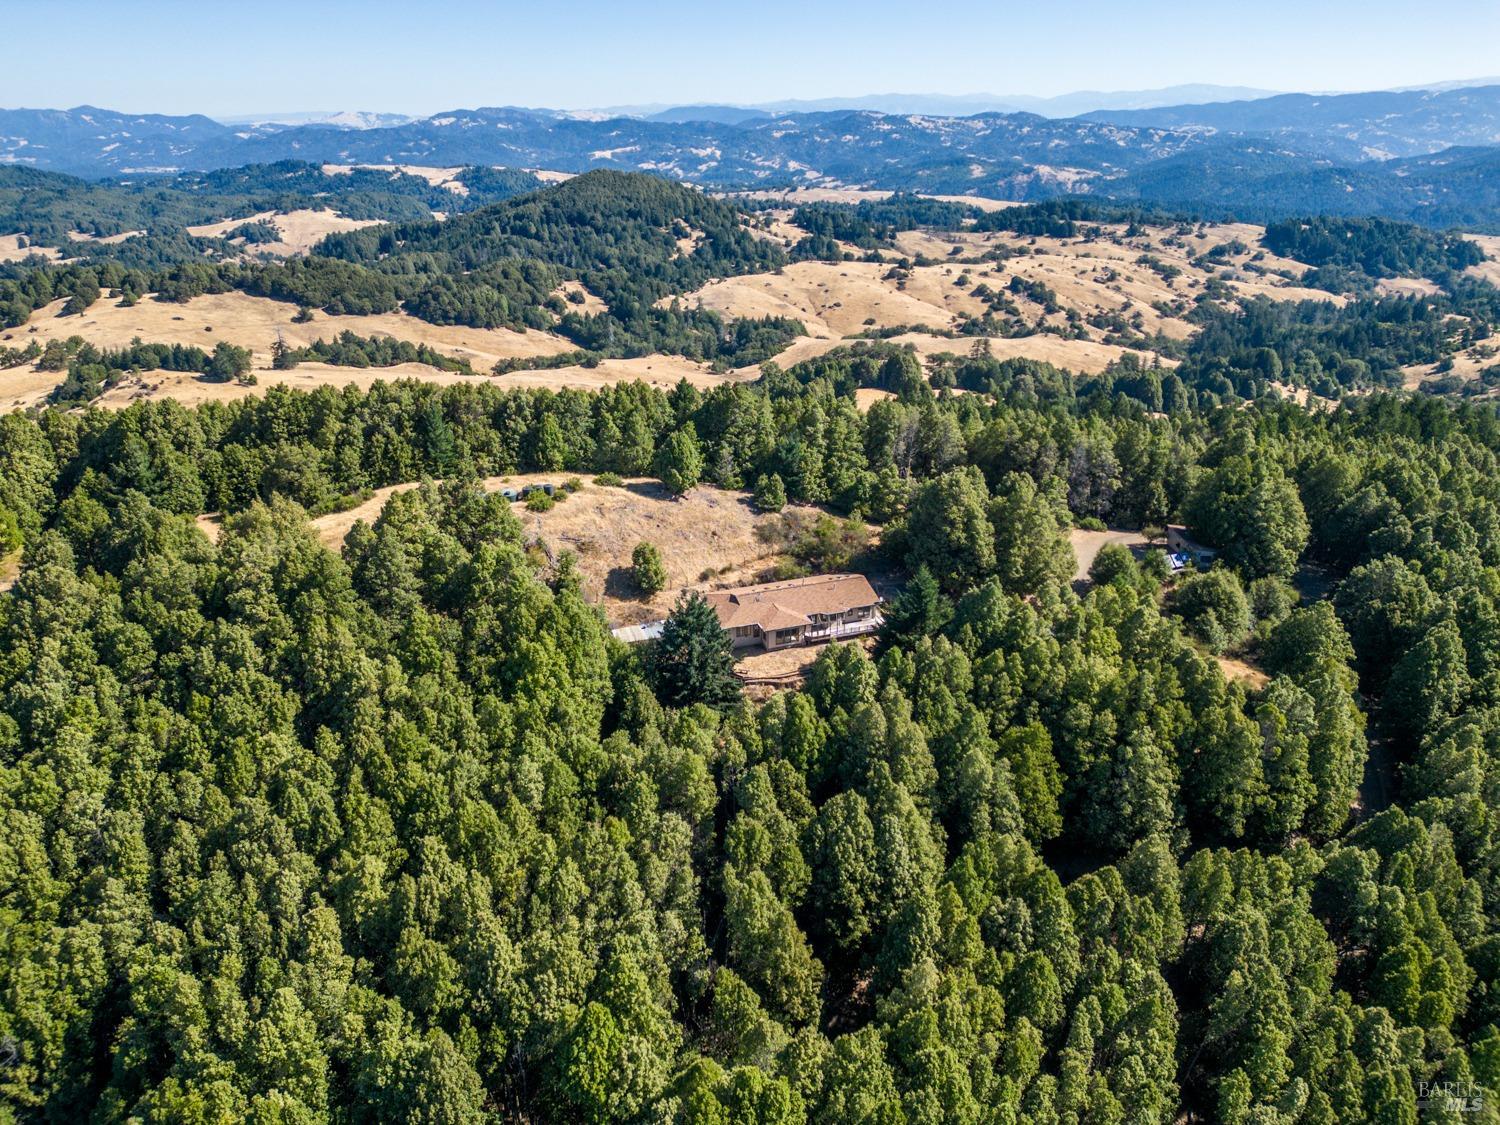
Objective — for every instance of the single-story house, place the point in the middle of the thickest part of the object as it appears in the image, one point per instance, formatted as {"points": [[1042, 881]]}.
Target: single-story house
{"points": [[1178, 543], [801, 611]]}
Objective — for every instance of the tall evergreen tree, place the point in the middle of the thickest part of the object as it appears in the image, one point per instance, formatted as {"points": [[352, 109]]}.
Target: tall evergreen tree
{"points": [[693, 659]]}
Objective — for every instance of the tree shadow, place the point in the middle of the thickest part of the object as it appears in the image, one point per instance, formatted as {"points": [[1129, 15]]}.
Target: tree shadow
{"points": [[620, 583], [652, 489]]}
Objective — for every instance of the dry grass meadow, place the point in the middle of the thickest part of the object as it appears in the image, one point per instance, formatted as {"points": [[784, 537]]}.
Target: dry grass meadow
{"points": [[1100, 280], [708, 537]]}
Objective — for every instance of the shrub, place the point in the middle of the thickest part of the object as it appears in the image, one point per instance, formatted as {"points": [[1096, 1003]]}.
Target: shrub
{"points": [[1154, 565], [10, 532], [539, 501], [1213, 607], [229, 362], [770, 493], [829, 545], [609, 480], [1272, 600], [1113, 563], [650, 573]]}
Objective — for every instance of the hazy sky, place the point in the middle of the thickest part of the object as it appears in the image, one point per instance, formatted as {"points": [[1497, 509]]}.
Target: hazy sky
{"points": [[214, 57]]}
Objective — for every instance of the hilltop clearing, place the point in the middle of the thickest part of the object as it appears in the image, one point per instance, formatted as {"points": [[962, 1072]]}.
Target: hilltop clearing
{"points": [[708, 538], [255, 322], [297, 231], [19, 247], [1110, 286]]}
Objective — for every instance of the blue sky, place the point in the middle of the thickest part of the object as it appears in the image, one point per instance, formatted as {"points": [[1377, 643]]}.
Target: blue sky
{"points": [[275, 56]]}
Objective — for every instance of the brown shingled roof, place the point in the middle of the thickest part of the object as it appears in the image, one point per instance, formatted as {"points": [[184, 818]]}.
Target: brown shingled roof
{"points": [[785, 605]]}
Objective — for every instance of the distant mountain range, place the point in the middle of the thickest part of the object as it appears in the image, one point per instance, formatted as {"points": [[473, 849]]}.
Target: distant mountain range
{"points": [[1373, 126], [1422, 154], [945, 105], [343, 119]]}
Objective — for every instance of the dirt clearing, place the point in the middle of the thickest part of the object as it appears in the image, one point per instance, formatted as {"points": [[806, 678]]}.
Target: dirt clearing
{"points": [[1087, 545], [445, 178], [1238, 671]]}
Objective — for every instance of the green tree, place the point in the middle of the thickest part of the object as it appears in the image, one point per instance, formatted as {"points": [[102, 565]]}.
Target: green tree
{"points": [[1113, 563], [693, 659], [770, 493], [10, 532], [229, 362], [1214, 607], [920, 610], [679, 461], [1252, 513], [1032, 552], [647, 568], [949, 532]]}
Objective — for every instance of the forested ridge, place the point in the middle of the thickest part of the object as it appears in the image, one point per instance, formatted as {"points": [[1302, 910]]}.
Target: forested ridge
{"points": [[634, 240], [402, 834], [50, 209]]}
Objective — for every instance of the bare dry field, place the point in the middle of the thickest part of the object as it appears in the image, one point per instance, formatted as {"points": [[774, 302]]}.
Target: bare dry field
{"points": [[1407, 287], [255, 323], [1100, 278], [192, 390], [1084, 356], [1466, 365], [300, 230], [794, 197], [1488, 270], [708, 529], [832, 300], [437, 177], [106, 240], [10, 570], [24, 387], [591, 303], [657, 370], [1087, 545], [778, 228], [11, 250], [1238, 671]]}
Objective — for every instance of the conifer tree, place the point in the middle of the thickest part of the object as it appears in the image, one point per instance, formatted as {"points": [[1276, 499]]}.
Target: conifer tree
{"points": [[693, 660]]}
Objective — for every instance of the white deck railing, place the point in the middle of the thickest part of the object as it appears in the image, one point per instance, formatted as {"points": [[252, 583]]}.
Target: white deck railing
{"points": [[839, 630]]}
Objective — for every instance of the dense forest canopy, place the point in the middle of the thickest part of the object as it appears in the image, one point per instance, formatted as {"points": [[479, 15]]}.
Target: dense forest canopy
{"points": [[402, 834], [1374, 248]]}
